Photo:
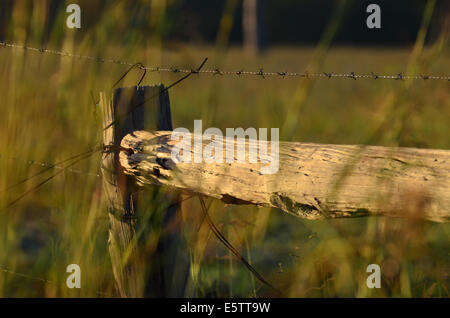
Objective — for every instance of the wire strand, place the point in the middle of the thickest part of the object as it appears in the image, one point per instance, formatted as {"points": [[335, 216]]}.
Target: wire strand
{"points": [[230, 247], [37, 186], [260, 73], [53, 165], [43, 280], [47, 168]]}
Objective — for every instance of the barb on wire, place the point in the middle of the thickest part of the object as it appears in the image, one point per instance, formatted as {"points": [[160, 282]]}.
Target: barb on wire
{"points": [[159, 94], [259, 73], [217, 72]]}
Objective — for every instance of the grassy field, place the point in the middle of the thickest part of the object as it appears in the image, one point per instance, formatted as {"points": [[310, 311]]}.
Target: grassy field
{"points": [[47, 114]]}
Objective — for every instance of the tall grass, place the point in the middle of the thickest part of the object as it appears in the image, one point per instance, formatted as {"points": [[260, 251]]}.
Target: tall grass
{"points": [[47, 114]]}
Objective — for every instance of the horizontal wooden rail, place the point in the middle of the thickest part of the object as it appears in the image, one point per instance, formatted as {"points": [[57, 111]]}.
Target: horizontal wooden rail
{"points": [[314, 181]]}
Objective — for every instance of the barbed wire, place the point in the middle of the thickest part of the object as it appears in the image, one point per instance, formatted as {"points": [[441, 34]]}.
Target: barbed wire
{"points": [[260, 73], [43, 280], [8, 271], [215, 72], [52, 165]]}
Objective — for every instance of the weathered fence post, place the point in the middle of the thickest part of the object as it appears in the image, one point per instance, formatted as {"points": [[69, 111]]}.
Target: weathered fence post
{"points": [[129, 270], [311, 181]]}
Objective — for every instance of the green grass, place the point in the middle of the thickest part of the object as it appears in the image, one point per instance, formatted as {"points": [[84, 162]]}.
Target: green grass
{"points": [[47, 114]]}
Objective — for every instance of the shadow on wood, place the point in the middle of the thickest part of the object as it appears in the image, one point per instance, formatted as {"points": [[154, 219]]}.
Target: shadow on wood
{"points": [[162, 269]]}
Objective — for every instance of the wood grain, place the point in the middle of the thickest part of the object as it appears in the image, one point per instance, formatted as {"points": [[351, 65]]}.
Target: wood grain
{"points": [[314, 181]]}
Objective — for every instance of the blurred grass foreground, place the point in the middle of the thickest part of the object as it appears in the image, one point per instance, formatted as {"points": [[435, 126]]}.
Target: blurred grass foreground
{"points": [[49, 112]]}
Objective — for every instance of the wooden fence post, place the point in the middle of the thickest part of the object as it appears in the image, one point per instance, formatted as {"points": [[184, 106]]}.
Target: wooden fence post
{"points": [[128, 268], [311, 181]]}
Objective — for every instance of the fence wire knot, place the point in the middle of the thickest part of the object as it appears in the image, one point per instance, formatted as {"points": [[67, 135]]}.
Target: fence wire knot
{"points": [[261, 73], [352, 75]]}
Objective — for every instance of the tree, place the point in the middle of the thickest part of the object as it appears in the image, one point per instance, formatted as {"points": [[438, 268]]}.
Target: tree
{"points": [[252, 25]]}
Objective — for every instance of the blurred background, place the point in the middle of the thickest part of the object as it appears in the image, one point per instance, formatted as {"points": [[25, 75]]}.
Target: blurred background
{"points": [[49, 112]]}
